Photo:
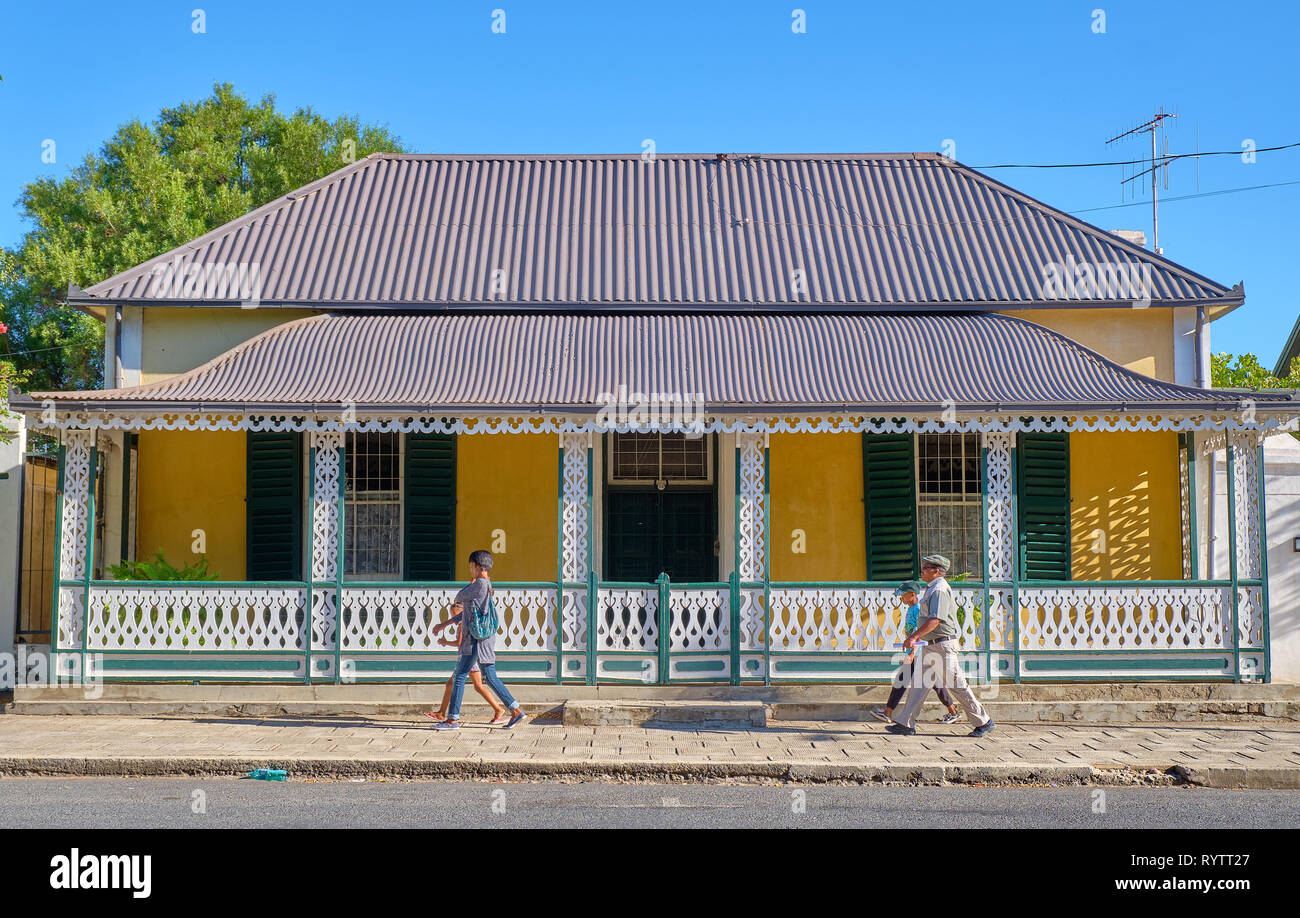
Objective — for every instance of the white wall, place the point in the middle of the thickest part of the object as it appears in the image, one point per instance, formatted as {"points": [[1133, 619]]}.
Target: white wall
{"points": [[1282, 492], [11, 500]]}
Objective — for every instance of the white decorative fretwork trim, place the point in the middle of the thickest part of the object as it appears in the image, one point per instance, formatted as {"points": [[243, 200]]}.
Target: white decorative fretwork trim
{"points": [[574, 523], [325, 504], [1011, 421], [1001, 546], [1246, 495], [753, 510], [76, 507]]}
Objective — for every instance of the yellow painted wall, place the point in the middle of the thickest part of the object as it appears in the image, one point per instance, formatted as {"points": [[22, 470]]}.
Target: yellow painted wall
{"points": [[179, 339], [1139, 339], [1126, 486], [192, 480], [816, 482], [508, 483]]}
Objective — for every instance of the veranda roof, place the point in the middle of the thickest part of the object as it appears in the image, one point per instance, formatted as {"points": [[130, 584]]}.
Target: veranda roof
{"points": [[455, 362], [902, 232]]}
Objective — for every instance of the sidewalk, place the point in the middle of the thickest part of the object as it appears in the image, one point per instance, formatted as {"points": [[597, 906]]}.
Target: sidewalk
{"points": [[1245, 754]]}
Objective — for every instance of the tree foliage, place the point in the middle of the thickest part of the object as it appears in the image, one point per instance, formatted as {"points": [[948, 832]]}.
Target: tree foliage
{"points": [[1244, 372], [151, 187]]}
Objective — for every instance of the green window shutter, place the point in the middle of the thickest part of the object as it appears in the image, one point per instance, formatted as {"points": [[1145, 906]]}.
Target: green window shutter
{"points": [[1043, 505], [889, 494], [429, 518], [274, 506]]}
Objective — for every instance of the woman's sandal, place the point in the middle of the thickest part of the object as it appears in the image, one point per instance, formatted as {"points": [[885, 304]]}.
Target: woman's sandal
{"points": [[499, 719], [438, 718]]}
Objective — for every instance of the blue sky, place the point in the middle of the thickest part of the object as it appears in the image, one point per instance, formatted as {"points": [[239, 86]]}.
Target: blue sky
{"points": [[1007, 82]]}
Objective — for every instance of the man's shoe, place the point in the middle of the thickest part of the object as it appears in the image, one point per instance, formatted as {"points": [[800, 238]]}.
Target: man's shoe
{"points": [[983, 730], [949, 718], [447, 725], [515, 720], [900, 730], [880, 715]]}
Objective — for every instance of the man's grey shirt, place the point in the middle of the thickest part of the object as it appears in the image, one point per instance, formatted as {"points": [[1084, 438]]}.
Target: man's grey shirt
{"points": [[938, 602], [476, 594]]}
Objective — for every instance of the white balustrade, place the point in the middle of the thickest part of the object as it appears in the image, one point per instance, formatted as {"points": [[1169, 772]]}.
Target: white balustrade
{"points": [[699, 620], [627, 619], [866, 619], [196, 618], [402, 618], [1080, 617]]}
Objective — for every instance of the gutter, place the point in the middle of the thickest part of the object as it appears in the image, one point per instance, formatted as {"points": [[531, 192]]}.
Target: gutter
{"points": [[82, 300], [26, 404]]}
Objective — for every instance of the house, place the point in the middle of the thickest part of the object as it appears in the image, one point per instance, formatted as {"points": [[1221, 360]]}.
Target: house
{"points": [[706, 410]]}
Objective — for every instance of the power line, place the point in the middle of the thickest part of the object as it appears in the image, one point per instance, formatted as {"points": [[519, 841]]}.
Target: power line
{"points": [[1135, 162], [1185, 197]]}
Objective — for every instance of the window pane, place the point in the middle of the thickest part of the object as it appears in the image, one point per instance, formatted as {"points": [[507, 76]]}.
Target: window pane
{"points": [[636, 456], [948, 500], [646, 457], [372, 497], [684, 459]]}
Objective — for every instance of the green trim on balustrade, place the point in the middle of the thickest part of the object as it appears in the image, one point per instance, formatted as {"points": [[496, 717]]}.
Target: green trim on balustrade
{"points": [[699, 666], [293, 663], [624, 666], [377, 664], [1231, 482], [789, 662], [1109, 662], [1263, 562]]}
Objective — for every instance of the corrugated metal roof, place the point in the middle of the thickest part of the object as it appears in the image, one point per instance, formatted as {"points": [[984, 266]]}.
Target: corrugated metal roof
{"points": [[683, 232], [574, 362]]}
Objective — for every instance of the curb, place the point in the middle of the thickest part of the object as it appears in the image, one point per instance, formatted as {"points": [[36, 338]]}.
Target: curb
{"points": [[936, 774]]}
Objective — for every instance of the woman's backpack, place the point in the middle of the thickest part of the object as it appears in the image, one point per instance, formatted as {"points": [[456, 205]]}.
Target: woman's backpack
{"points": [[483, 621]]}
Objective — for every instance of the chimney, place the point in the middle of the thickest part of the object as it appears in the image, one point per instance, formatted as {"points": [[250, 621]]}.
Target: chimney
{"points": [[1137, 237]]}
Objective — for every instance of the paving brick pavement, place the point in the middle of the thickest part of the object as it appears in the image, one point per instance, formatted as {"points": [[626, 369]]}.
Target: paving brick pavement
{"points": [[1247, 754]]}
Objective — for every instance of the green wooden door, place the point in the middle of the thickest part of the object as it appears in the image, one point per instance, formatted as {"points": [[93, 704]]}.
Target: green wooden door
{"points": [[649, 532]]}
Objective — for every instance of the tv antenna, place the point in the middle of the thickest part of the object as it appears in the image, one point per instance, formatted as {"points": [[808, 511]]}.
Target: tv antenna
{"points": [[1159, 160]]}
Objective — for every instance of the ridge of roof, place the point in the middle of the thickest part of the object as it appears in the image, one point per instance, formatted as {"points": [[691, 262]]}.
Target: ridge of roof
{"points": [[945, 259]]}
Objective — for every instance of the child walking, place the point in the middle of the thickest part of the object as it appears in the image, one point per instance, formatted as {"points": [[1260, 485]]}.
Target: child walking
{"points": [[909, 591]]}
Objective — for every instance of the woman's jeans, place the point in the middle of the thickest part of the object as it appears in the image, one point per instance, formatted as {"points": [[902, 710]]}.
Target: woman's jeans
{"points": [[905, 678], [489, 670]]}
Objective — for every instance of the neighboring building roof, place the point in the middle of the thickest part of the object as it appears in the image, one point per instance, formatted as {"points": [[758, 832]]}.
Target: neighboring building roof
{"points": [[684, 233], [430, 363], [1290, 351]]}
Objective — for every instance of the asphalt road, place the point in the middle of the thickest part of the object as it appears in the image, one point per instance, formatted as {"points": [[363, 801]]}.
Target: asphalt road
{"points": [[230, 803]]}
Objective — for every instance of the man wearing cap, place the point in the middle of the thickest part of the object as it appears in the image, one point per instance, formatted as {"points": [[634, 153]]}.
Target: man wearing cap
{"points": [[938, 626], [910, 672]]}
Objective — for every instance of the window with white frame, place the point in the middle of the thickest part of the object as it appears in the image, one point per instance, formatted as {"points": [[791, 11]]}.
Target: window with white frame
{"points": [[949, 511], [372, 507], [648, 458]]}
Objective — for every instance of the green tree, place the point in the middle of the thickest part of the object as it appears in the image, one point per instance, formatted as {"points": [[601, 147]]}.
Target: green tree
{"points": [[150, 188], [1244, 372]]}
